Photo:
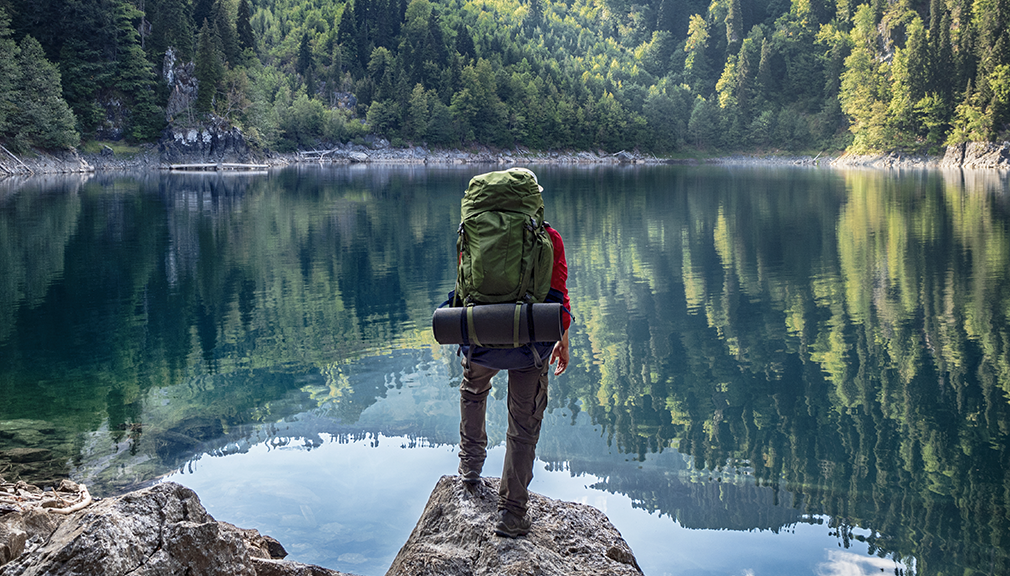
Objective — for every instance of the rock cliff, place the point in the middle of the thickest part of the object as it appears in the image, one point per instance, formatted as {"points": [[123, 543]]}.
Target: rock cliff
{"points": [[977, 155], [455, 537]]}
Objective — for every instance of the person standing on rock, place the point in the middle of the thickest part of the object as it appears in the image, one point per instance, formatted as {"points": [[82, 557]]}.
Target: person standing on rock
{"points": [[528, 365]]}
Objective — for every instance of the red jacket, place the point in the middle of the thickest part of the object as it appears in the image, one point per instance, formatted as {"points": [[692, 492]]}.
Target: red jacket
{"points": [[559, 276]]}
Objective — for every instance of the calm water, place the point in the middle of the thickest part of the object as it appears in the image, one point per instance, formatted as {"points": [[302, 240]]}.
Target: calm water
{"points": [[775, 371]]}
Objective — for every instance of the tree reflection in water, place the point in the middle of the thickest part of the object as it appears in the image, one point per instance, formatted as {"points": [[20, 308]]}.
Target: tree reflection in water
{"points": [[838, 337]]}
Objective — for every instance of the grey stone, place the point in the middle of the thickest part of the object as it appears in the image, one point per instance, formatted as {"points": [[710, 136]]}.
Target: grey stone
{"points": [[455, 537], [162, 530], [26, 454]]}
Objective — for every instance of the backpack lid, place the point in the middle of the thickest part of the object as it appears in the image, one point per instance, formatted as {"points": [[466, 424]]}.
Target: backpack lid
{"points": [[515, 189]]}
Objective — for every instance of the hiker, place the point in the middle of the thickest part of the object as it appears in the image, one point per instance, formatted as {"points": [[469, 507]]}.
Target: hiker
{"points": [[528, 368]]}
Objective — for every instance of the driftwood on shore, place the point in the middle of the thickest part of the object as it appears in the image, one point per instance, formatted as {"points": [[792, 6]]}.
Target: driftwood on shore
{"points": [[66, 498]]}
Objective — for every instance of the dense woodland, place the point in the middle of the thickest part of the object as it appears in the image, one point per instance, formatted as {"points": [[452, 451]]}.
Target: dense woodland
{"points": [[657, 75]]}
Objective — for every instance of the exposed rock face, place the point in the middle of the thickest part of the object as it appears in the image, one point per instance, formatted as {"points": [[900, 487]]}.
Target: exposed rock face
{"points": [[181, 80], [455, 537], [885, 160], [977, 155], [212, 143], [160, 530]]}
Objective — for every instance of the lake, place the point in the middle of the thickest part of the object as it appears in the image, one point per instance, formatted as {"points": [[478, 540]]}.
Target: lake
{"points": [[775, 370]]}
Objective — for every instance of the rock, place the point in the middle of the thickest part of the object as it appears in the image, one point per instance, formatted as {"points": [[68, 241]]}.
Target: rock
{"points": [[986, 155], [213, 142], [953, 157], [23, 455], [12, 543], [159, 530], [21, 527], [455, 537], [624, 157], [181, 80]]}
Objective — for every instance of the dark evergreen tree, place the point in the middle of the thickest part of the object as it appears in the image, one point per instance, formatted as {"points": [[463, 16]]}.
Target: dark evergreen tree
{"points": [[43, 118], [9, 74], [942, 69], [362, 23], [134, 78], [226, 32], [209, 68], [304, 62], [464, 43], [347, 38], [171, 27], [203, 10], [243, 27], [535, 14]]}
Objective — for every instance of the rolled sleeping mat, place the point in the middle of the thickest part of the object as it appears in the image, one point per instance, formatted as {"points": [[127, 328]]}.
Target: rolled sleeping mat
{"points": [[497, 325]]}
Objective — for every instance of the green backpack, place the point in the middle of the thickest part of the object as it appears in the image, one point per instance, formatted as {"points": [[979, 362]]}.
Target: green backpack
{"points": [[505, 252]]}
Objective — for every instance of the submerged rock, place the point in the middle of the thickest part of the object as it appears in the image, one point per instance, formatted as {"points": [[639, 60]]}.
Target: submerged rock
{"points": [[455, 537], [159, 530]]}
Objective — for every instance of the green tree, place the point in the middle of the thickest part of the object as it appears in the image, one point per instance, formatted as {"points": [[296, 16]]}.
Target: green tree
{"points": [[9, 74], [697, 69], [209, 69], [42, 117], [865, 89], [222, 21], [243, 27]]}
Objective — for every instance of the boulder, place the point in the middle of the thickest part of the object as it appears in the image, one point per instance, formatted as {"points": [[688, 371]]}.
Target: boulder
{"points": [[159, 530], [455, 537]]}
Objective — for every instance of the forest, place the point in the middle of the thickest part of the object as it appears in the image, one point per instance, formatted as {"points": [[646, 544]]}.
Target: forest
{"points": [[660, 76]]}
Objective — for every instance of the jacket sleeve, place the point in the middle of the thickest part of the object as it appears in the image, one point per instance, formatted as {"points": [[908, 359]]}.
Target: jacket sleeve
{"points": [[559, 278]]}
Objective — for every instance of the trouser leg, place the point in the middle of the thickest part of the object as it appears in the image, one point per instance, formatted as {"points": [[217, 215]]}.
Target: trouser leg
{"points": [[473, 391], [527, 400]]}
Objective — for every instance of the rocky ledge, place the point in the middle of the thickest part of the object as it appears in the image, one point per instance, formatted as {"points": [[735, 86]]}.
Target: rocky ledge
{"points": [[455, 537], [165, 530]]}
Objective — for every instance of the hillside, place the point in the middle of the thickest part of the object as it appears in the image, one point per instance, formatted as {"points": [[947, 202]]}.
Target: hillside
{"points": [[664, 76]]}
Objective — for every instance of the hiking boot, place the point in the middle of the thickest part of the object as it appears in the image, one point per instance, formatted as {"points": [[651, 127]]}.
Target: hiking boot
{"points": [[511, 525]]}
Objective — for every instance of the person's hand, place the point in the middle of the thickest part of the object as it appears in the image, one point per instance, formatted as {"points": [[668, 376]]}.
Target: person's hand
{"points": [[560, 355]]}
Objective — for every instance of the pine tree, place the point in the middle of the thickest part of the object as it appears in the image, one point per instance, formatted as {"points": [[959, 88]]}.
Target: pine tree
{"points": [[134, 78], [226, 31], [243, 27], [203, 10], [171, 27], [305, 64], [43, 117], [464, 42], [347, 35], [209, 68], [362, 22], [9, 73]]}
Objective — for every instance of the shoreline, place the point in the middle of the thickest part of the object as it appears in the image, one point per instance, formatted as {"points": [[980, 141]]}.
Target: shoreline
{"points": [[989, 156]]}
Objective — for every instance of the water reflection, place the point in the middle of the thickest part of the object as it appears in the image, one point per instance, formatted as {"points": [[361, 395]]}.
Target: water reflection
{"points": [[765, 350]]}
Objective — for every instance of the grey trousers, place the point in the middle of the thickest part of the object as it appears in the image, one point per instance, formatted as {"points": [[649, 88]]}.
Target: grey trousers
{"points": [[527, 400]]}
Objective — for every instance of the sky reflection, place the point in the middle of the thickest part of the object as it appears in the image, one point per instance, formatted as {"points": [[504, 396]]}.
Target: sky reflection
{"points": [[351, 505]]}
